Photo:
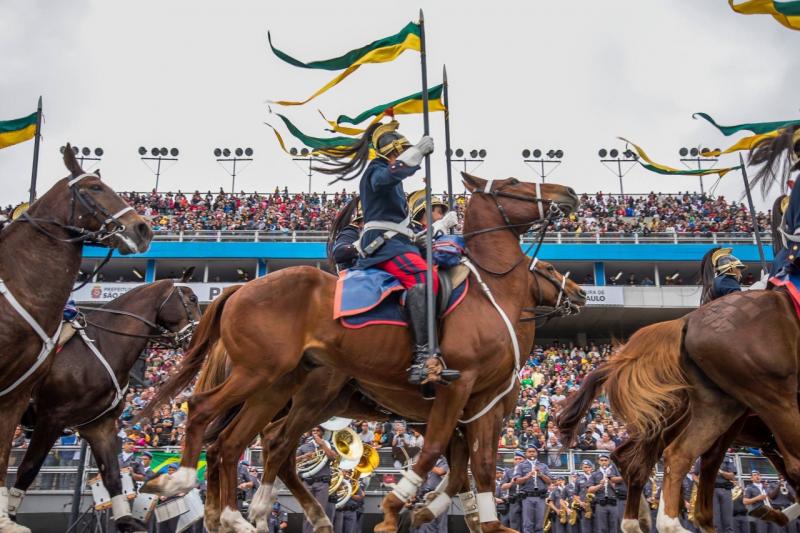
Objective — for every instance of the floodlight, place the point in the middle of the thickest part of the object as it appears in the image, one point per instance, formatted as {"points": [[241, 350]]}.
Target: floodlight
{"points": [[559, 154], [602, 152], [526, 153], [248, 152], [142, 150], [614, 152], [537, 153], [694, 152], [683, 151], [98, 152], [239, 152], [482, 153], [173, 152], [86, 151], [473, 154], [226, 152], [459, 152], [217, 152], [154, 152], [304, 152]]}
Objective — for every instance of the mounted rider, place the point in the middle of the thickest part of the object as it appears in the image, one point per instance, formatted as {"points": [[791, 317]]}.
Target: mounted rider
{"points": [[386, 239], [443, 218], [727, 272], [343, 248]]}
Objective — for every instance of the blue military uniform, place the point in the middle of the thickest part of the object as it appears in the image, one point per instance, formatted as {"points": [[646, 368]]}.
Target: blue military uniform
{"points": [[605, 514], [439, 524], [318, 484], [725, 285], [347, 515], [535, 492], [652, 493], [500, 494], [557, 495], [276, 518], [344, 252], [582, 484], [782, 495], [761, 526], [723, 503], [383, 198], [514, 498], [740, 522]]}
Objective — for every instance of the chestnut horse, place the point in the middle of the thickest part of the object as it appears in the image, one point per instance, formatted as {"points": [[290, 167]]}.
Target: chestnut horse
{"points": [[686, 387], [163, 311], [282, 324], [328, 393], [40, 254]]}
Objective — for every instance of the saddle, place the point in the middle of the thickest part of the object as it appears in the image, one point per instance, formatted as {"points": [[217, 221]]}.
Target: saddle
{"points": [[449, 279]]}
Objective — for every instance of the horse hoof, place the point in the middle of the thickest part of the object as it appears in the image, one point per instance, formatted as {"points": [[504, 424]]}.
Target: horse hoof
{"points": [[629, 525], [9, 526], [391, 506], [234, 522], [129, 524], [182, 481], [495, 527], [421, 516]]}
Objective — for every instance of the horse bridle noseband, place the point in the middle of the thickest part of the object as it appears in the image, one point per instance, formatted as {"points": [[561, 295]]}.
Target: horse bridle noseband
{"points": [[563, 307], [554, 212], [167, 337]]}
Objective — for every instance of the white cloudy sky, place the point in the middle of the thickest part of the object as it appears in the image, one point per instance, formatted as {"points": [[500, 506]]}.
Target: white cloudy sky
{"points": [[572, 75]]}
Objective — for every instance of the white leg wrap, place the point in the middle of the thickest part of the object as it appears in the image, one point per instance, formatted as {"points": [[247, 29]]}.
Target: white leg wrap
{"points": [[261, 503], [120, 506], [3, 501], [792, 512], [406, 488], [468, 503], [667, 524], [15, 497], [440, 504], [629, 525], [232, 520], [486, 507]]}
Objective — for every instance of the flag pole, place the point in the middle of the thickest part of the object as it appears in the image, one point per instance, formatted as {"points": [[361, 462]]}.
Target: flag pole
{"points": [[448, 152], [429, 296], [37, 137], [753, 216]]}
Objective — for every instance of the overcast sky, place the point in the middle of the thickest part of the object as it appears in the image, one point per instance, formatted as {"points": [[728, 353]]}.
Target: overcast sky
{"points": [[570, 75]]}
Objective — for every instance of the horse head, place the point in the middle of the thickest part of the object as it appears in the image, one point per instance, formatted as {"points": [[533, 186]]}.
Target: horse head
{"points": [[520, 204], [88, 210], [552, 288], [180, 312]]}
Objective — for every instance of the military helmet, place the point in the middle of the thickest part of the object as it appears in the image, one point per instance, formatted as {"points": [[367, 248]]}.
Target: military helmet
{"points": [[725, 262], [416, 204], [386, 139]]}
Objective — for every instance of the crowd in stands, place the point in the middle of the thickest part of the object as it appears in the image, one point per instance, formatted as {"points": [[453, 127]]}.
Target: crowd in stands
{"points": [[282, 211]]}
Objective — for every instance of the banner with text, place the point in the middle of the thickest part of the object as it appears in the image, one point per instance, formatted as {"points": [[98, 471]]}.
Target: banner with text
{"points": [[105, 292], [596, 295]]}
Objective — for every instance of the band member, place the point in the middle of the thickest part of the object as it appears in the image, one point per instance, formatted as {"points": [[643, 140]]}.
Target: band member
{"points": [[782, 495], [318, 483], [533, 478], [740, 521], [248, 481], [558, 497], [687, 486], [435, 476], [386, 239], [604, 481], [278, 519], [347, 515], [146, 473], [756, 498], [652, 493], [569, 501], [500, 496], [723, 503], [583, 483], [513, 494]]}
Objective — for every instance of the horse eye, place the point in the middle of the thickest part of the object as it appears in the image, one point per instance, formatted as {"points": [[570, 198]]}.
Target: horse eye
{"points": [[193, 299], [514, 181], [95, 188]]}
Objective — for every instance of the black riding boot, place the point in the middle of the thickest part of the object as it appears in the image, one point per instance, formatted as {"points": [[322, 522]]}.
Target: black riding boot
{"points": [[425, 369]]}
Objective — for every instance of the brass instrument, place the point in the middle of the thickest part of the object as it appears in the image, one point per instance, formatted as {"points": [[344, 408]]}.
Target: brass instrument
{"points": [[573, 511], [367, 463], [563, 511], [588, 512], [348, 444], [736, 493], [692, 503], [653, 492], [312, 463], [548, 523]]}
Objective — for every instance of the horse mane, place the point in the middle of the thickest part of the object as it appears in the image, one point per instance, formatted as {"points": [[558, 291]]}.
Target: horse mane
{"points": [[707, 276], [343, 218], [777, 221], [773, 153]]}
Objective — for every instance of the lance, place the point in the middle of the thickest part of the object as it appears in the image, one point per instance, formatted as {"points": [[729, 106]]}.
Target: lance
{"points": [[753, 215], [448, 152], [35, 171], [429, 296]]}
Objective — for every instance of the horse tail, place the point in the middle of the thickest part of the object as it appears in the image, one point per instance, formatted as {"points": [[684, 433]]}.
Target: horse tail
{"points": [[575, 407], [777, 225], [646, 384], [707, 276], [202, 341], [216, 369]]}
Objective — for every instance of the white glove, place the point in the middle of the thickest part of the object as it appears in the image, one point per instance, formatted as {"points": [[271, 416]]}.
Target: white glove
{"points": [[442, 226], [412, 157]]}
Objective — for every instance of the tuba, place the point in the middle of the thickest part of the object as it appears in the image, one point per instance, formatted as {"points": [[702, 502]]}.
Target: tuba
{"points": [[573, 511], [563, 512], [588, 512], [692, 503], [736, 493], [548, 523], [312, 464]]}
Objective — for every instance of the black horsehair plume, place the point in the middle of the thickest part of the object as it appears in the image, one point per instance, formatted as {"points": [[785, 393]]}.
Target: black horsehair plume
{"points": [[347, 162], [775, 154]]}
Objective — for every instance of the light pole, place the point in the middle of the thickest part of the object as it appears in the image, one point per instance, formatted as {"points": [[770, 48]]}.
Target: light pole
{"points": [[554, 157], [223, 155], [158, 155], [85, 153], [304, 154], [698, 159], [627, 157], [476, 155]]}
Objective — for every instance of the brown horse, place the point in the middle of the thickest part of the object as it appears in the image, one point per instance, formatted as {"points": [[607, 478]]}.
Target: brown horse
{"points": [[40, 254], [664, 385], [163, 311], [297, 304], [328, 393]]}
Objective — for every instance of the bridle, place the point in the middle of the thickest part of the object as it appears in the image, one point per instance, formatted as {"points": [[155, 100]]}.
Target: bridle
{"points": [[563, 307], [164, 336], [110, 223], [554, 212]]}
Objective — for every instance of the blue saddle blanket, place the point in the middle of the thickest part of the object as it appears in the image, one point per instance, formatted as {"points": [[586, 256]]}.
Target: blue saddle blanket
{"points": [[372, 296]]}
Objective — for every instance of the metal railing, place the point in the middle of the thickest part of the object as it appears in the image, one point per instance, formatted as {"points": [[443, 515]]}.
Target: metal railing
{"points": [[60, 471], [553, 237]]}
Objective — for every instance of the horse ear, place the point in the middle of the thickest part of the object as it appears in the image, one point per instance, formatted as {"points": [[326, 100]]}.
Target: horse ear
{"points": [[472, 183], [70, 162], [187, 274], [97, 172]]}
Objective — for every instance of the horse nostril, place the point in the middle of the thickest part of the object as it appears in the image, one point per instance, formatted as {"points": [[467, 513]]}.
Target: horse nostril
{"points": [[143, 230]]}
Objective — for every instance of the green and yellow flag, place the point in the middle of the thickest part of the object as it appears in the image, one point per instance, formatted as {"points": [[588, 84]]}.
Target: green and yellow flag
{"points": [[314, 143], [408, 105], [757, 128], [380, 51], [18, 130], [161, 460], [786, 12], [658, 168]]}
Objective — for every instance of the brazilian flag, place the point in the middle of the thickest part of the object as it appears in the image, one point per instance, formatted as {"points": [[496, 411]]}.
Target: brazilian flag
{"points": [[786, 12], [162, 460], [658, 168], [17, 130]]}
